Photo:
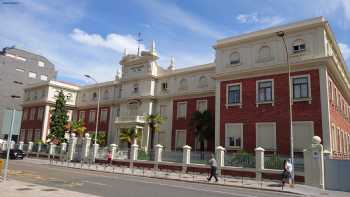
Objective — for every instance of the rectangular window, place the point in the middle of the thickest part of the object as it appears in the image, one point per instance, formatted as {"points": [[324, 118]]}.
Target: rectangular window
{"points": [[233, 94], [202, 105], [41, 64], [234, 135], [266, 135], [334, 138], [301, 87], [30, 135], [92, 116], [302, 133], [32, 75], [181, 110], [20, 70], [37, 135], [180, 139], [264, 92], [43, 77], [164, 86], [40, 113], [82, 116], [104, 115], [32, 114]]}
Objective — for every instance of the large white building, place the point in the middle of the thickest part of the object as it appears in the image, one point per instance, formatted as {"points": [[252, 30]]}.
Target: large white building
{"points": [[245, 89]]}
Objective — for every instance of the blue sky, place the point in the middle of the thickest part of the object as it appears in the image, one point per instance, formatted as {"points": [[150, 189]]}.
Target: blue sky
{"points": [[88, 37]]}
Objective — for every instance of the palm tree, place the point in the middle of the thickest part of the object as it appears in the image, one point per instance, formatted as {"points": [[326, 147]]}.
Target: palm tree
{"points": [[154, 121], [78, 128], [201, 122], [129, 136]]}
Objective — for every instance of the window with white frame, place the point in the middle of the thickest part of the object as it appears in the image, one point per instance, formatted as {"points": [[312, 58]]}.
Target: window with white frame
{"points": [[264, 53], [235, 58], [266, 135], [180, 139], [37, 135], [264, 91], [43, 77], [164, 86], [106, 95], [41, 64], [202, 105], [234, 94], [302, 134], [94, 96], [32, 75], [181, 110], [163, 111], [92, 115], [82, 116], [40, 113], [234, 135], [299, 46], [104, 115], [32, 114], [301, 87]]}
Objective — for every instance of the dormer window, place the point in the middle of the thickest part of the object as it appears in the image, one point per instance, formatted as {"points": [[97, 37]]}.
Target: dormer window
{"points": [[136, 88], [299, 46], [235, 58], [164, 86]]}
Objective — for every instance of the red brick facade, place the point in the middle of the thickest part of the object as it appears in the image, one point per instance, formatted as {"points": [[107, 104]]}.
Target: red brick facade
{"points": [[91, 126], [249, 114], [183, 123], [30, 124]]}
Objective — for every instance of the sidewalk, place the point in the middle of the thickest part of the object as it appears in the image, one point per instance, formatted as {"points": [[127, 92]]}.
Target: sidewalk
{"points": [[243, 182], [13, 188]]}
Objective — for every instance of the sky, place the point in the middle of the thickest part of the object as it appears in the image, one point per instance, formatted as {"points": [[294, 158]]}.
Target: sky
{"points": [[89, 36]]}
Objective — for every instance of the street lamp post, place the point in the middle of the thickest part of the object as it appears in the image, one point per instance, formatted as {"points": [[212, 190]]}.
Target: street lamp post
{"points": [[9, 138], [281, 34], [98, 108]]}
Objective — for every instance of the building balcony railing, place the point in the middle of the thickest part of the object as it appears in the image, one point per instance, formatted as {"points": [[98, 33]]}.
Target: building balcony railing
{"points": [[130, 119]]}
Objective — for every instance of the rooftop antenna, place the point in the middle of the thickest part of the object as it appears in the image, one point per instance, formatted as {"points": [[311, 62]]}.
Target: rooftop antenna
{"points": [[139, 40]]}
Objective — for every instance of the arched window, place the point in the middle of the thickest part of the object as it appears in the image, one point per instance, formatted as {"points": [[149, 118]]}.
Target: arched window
{"points": [[235, 58], [183, 84], [299, 46], [94, 96], [106, 95], [264, 53], [203, 82]]}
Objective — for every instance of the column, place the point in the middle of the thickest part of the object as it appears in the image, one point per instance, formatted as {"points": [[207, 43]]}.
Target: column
{"points": [[86, 147], [72, 144], [259, 163], [220, 157], [52, 150], [20, 147], [63, 149], [158, 153], [314, 164], [94, 154], [45, 125], [30, 147]]}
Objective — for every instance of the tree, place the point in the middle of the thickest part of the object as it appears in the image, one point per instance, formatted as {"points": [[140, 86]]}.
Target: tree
{"points": [[101, 138], [154, 121], [129, 136], [201, 122], [78, 128], [59, 120]]}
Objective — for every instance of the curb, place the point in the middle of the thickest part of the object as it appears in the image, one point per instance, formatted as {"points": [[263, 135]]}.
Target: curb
{"points": [[186, 181]]}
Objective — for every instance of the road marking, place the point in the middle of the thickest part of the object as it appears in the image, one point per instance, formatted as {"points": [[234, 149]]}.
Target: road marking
{"points": [[95, 183]]}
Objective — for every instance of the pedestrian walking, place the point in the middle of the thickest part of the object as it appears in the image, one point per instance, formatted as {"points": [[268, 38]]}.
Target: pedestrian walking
{"points": [[109, 158], [287, 173], [213, 168]]}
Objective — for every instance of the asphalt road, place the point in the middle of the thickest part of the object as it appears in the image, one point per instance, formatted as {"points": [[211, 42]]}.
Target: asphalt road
{"points": [[106, 184]]}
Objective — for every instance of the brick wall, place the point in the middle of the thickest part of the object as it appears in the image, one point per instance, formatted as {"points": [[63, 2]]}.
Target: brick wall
{"points": [[28, 124], [249, 114], [91, 126], [183, 124]]}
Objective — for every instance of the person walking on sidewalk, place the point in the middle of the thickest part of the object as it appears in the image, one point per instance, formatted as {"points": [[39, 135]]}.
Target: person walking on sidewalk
{"points": [[109, 158], [213, 167], [287, 173]]}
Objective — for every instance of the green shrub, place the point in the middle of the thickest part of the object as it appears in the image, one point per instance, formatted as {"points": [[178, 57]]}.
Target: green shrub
{"points": [[274, 162], [243, 159]]}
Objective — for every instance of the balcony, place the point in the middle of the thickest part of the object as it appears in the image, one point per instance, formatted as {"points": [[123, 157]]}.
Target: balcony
{"points": [[130, 120]]}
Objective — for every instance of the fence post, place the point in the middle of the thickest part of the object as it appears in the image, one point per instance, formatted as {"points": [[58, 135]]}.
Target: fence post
{"points": [[113, 149], [95, 151], [20, 147], [4, 146], [30, 147], [86, 147], [72, 144], [259, 163], [220, 157], [314, 164], [133, 154], [186, 157], [63, 149], [158, 155]]}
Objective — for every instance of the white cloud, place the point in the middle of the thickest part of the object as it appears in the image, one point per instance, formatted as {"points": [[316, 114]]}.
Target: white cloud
{"points": [[112, 41], [175, 15], [345, 49], [255, 18]]}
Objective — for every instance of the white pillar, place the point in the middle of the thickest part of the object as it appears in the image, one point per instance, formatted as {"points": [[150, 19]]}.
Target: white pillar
{"points": [[259, 163], [186, 155], [158, 153], [4, 146], [30, 147], [113, 149], [52, 150], [63, 149], [314, 164], [20, 147], [71, 148], [134, 152], [45, 124], [86, 147], [94, 155], [220, 157]]}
